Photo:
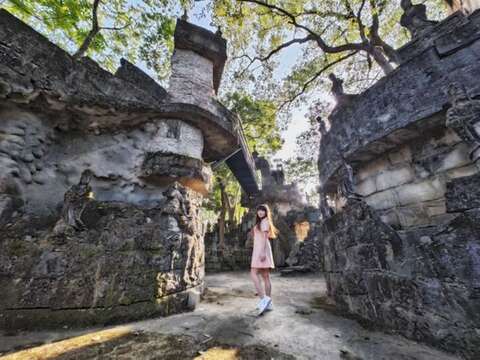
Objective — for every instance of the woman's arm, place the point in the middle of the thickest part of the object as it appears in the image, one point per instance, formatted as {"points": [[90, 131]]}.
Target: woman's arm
{"points": [[265, 231]]}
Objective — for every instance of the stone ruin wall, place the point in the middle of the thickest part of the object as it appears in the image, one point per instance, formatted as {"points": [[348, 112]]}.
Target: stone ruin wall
{"points": [[129, 243], [45, 160], [141, 253], [236, 252], [407, 185], [405, 254]]}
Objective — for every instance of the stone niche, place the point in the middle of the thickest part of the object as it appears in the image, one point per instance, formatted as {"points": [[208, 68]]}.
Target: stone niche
{"points": [[101, 179], [402, 249]]}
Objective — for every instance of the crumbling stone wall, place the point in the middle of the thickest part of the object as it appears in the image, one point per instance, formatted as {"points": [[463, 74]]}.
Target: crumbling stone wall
{"points": [[129, 262], [402, 249], [44, 160], [407, 185], [101, 177], [236, 252]]}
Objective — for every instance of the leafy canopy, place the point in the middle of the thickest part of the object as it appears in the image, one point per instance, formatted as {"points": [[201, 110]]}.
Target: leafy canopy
{"points": [[294, 44], [138, 30]]}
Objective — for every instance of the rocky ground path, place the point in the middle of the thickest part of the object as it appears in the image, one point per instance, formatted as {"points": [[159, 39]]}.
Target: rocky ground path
{"points": [[224, 326]]}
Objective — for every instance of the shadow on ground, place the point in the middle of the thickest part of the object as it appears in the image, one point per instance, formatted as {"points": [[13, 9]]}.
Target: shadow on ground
{"points": [[302, 325]]}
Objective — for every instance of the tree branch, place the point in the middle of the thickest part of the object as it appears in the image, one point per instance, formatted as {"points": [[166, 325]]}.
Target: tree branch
{"points": [[333, 14], [272, 52], [115, 28], [320, 42], [376, 40], [375, 22], [91, 34], [315, 77], [285, 45]]}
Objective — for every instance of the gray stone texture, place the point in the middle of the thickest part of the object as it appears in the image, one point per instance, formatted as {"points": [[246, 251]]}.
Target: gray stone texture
{"points": [[406, 257], [204, 43], [389, 113], [128, 263], [422, 284], [463, 194], [37, 74], [127, 242]]}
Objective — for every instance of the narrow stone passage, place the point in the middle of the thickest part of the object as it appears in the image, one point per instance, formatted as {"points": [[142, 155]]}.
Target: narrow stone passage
{"points": [[224, 327]]}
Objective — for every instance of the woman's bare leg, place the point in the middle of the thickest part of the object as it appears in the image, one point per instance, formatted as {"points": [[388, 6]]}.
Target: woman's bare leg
{"points": [[256, 282], [266, 279]]}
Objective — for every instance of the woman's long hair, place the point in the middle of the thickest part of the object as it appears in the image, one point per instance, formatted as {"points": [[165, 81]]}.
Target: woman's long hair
{"points": [[273, 231]]}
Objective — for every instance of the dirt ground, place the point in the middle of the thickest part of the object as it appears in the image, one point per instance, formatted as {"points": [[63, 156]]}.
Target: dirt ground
{"points": [[302, 325]]}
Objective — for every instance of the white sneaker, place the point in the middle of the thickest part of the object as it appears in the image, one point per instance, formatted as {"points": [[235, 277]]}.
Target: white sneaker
{"points": [[270, 306], [266, 301], [259, 303]]}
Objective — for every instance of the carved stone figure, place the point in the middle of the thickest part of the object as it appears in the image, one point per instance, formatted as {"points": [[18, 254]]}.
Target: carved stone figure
{"points": [[337, 86], [346, 187], [176, 200], [414, 18], [464, 118], [279, 175], [337, 91], [325, 209], [321, 126], [75, 201]]}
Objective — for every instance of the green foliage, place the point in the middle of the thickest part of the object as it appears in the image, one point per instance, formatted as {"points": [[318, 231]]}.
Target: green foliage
{"points": [[140, 30], [261, 32], [259, 121], [303, 172]]}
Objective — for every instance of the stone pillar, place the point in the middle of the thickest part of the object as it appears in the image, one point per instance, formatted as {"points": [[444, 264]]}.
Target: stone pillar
{"points": [[197, 63]]}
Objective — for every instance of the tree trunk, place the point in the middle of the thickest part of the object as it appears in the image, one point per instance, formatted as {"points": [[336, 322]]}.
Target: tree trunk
{"points": [[223, 214], [91, 34], [380, 59], [221, 230]]}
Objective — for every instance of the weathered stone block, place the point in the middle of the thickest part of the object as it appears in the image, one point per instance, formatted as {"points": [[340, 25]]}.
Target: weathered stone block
{"points": [[192, 77], [383, 200], [431, 189], [436, 272], [428, 189], [126, 256], [389, 178], [458, 157], [372, 168], [462, 171], [366, 187], [463, 193], [165, 167], [402, 155], [413, 215]]}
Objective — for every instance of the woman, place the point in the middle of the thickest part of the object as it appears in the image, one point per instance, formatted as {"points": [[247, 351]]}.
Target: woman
{"points": [[262, 257]]}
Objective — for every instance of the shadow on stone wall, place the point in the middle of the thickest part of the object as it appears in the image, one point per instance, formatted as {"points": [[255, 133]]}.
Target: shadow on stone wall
{"points": [[125, 263]]}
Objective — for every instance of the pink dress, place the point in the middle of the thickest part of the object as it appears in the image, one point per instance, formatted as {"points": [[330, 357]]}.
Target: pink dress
{"points": [[259, 246]]}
